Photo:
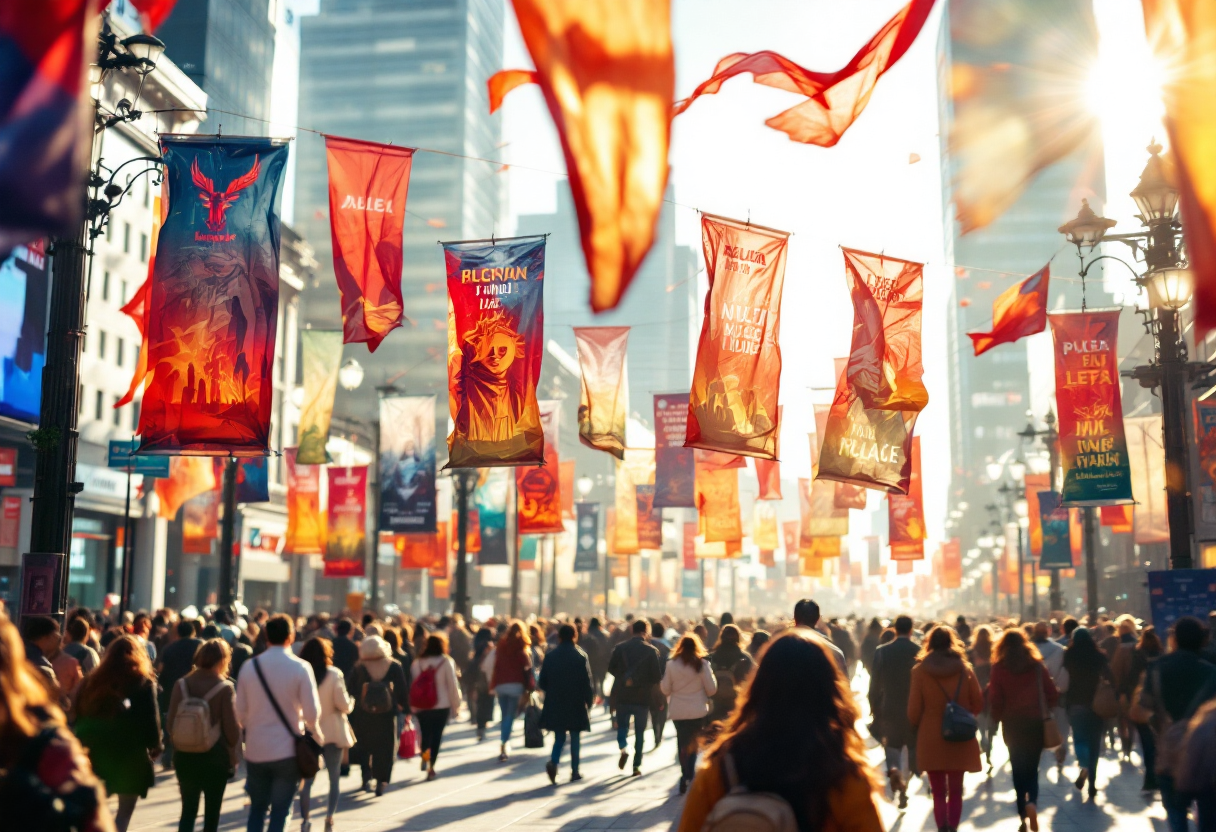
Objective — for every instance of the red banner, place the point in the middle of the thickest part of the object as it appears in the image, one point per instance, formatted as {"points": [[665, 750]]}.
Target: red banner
{"points": [[906, 515], [188, 477], [768, 475], [439, 568], [952, 564], [689, 546], [718, 505], [867, 440], [368, 183], [1019, 311], [346, 533], [422, 550], [674, 470], [733, 403], [1119, 519], [10, 523], [538, 488], [201, 522], [472, 534], [650, 519], [565, 478]]}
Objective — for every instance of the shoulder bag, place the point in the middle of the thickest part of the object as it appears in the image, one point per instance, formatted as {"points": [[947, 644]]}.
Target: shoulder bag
{"points": [[958, 723], [1051, 732], [308, 750]]}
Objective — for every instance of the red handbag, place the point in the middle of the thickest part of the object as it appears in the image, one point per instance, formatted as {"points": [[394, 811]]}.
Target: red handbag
{"points": [[407, 748]]}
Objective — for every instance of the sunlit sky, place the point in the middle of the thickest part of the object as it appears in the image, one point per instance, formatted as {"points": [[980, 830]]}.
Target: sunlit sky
{"points": [[863, 193]]}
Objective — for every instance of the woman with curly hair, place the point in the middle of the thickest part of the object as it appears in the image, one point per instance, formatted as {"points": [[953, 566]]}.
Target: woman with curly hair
{"points": [[792, 734]]}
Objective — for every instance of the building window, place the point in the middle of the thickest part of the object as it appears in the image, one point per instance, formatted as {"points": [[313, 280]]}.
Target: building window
{"points": [[135, 417], [143, 248], [117, 413], [135, 358], [101, 343], [122, 287], [105, 286], [109, 231], [100, 406], [126, 238], [119, 345]]}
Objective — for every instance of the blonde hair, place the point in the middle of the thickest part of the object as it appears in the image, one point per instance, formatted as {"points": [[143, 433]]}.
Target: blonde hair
{"points": [[22, 690]]}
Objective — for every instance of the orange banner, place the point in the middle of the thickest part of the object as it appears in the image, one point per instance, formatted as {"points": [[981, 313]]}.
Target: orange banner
{"points": [[733, 403], [1119, 519], [439, 568], [200, 522], [604, 397], [566, 487], [472, 533], [305, 520], [1034, 484], [718, 505], [637, 468], [952, 564], [189, 476], [764, 526], [906, 515], [538, 487], [820, 517]]}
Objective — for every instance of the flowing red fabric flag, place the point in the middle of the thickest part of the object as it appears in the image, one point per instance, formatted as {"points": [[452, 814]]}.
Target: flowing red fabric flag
{"points": [[137, 308], [1020, 310], [368, 183], [607, 72], [836, 99], [1183, 36], [505, 80], [1119, 519]]}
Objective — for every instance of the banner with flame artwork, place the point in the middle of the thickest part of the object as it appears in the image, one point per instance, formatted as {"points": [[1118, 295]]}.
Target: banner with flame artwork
{"points": [[200, 522], [305, 522], [214, 303], [906, 515], [408, 497], [1093, 447], [496, 339], [718, 504], [539, 487], [733, 403], [674, 469], [346, 532], [867, 440], [637, 468], [604, 397], [320, 359]]}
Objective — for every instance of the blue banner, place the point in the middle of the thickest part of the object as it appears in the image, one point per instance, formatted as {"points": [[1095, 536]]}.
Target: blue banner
{"points": [[121, 456], [1057, 548], [407, 464], [1175, 593], [24, 282], [252, 481], [490, 500], [586, 549], [690, 583]]}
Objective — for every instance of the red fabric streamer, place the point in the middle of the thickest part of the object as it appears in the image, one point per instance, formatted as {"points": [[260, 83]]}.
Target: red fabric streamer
{"points": [[1020, 311], [505, 80]]}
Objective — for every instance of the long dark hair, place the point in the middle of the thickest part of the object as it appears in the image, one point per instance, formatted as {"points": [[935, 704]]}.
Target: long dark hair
{"points": [[1082, 650], [124, 665], [943, 639], [728, 635], [1150, 642], [319, 653], [792, 732]]}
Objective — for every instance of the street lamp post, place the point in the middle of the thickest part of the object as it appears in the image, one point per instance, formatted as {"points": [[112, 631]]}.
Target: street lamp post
{"points": [[1050, 438], [463, 479]]}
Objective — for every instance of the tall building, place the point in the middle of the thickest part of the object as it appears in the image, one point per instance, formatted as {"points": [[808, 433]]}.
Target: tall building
{"points": [[411, 74]]}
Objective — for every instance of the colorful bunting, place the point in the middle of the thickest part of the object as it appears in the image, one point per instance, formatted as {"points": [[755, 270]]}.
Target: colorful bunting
{"points": [[1018, 312], [346, 531], [408, 498], [604, 398], [320, 359]]}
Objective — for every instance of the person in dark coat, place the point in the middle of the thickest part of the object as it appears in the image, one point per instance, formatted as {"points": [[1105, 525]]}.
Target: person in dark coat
{"points": [[731, 666], [658, 705], [565, 677], [595, 644], [635, 674], [1087, 666], [376, 730], [481, 703], [346, 652], [890, 684], [118, 721], [869, 644]]}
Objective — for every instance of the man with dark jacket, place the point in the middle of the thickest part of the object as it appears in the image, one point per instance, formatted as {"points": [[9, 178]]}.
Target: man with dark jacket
{"points": [[890, 684], [565, 677], [346, 652], [658, 704], [595, 644], [635, 673]]}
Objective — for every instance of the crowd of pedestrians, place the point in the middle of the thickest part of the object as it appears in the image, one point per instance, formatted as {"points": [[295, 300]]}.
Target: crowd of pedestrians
{"points": [[767, 714]]}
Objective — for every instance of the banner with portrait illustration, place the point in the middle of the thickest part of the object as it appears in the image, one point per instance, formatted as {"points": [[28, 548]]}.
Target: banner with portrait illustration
{"points": [[491, 498], [320, 359], [733, 403], [539, 487], [346, 531], [408, 498], [867, 439], [604, 395], [586, 547], [305, 521], [496, 339], [1054, 519], [906, 515], [1093, 447], [214, 302], [674, 468]]}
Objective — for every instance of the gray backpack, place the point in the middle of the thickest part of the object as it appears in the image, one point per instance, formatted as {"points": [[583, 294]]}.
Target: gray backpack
{"points": [[192, 729], [741, 810]]}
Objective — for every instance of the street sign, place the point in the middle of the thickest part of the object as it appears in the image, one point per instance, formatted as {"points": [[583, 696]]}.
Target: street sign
{"points": [[1174, 593], [121, 455]]}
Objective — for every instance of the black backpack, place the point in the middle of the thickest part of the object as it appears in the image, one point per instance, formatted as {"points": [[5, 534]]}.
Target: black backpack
{"points": [[958, 723], [376, 696], [31, 804]]}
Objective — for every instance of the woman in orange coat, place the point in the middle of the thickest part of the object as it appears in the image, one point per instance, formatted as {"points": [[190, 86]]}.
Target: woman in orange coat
{"points": [[791, 734], [943, 675]]}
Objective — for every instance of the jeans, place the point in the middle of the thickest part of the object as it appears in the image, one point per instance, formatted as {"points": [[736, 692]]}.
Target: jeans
{"points": [[640, 713], [559, 740], [688, 731], [947, 797], [271, 786], [430, 726], [1024, 738], [1148, 750], [508, 702], [333, 762], [1177, 805], [1086, 739]]}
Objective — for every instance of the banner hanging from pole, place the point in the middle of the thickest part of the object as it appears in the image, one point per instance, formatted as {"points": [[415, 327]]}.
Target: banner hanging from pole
{"points": [[496, 339], [637, 468], [200, 522], [1033, 484], [586, 549], [1146, 455], [539, 487], [718, 505], [408, 497], [952, 564], [490, 499], [252, 480], [188, 477], [604, 396], [906, 515], [650, 519], [320, 357], [305, 521], [346, 532], [1054, 519], [674, 471], [733, 404]]}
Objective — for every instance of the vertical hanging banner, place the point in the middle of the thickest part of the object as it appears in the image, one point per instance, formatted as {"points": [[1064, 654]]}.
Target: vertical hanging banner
{"points": [[200, 522], [650, 519], [952, 564], [496, 338], [188, 477], [674, 468], [1146, 454], [637, 468], [768, 475], [368, 183], [565, 485], [906, 515], [472, 533], [490, 498], [1033, 484], [305, 522], [252, 480], [1119, 519], [214, 302], [439, 569], [820, 517], [346, 532], [586, 546], [320, 357], [874, 551], [1057, 548], [733, 404], [688, 547], [1205, 435], [604, 397], [1093, 450], [408, 498], [789, 537], [848, 495], [867, 440], [764, 526], [538, 488], [718, 505]]}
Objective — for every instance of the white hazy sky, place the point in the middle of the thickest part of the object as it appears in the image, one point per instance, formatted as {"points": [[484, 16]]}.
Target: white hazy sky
{"points": [[863, 193]]}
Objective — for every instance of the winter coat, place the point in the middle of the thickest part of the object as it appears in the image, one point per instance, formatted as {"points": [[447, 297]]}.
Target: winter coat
{"points": [[635, 671], [120, 737], [565, 677], [510, 666], [934, 681], [595, 644], [1015, 694], [369, 727], [336, 703], [688, 690], [890, 682]]}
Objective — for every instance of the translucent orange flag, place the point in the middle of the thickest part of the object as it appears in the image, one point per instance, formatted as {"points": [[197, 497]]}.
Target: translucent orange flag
{"points": [[718, 504], [835, 99], [608, 75], [1034, 484], [906, 515], [604, 400], [505, 80], [764, 526], [189, 476], [137, 307], [1183, 35], [1118, 518], [733, 403], [768, 474]]}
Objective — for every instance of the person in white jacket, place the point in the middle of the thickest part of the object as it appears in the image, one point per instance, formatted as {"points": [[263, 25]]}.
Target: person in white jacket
{"points": [[336, 703], [434, 696], [688, 683]]}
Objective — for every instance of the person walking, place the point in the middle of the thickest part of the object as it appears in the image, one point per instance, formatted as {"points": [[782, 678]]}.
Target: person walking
{"points": [[942, 676], [1053, 659], [980, 656], [481, 703], [434, 696], [890, 684], [869, 644], [688, 683], [635, 673], [377, 684], [510, 678], [792, 736], [731, 666], [346, 652], [276, 702], [565, 677], [1021, 694], [336, 703], [118, 721], [1148, 649], [1087, 667], [204, 772], [174, 662], [806, 614], [595, 644], [658, 704]]}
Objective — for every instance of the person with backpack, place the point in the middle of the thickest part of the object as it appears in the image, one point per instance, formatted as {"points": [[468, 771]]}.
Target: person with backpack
{"points": [[434, 696], [336, 703], [477, 682], [204, 731], [944, 698], [1087, 667], [1021, 694], [509, 667], [377, 684], [174, 662], [1175, 688], [789, 758], [731, 666], [890, 684], [688, 682], [565, 677], [635, 674]]}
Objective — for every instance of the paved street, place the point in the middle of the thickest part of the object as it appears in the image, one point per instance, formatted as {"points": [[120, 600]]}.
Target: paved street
{"points": [[475, 793]]}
